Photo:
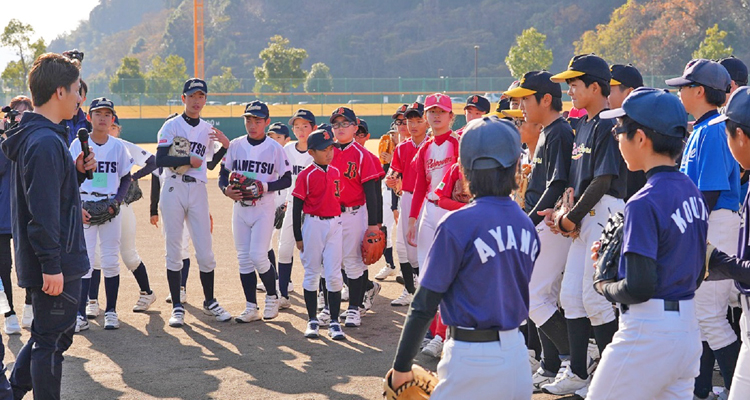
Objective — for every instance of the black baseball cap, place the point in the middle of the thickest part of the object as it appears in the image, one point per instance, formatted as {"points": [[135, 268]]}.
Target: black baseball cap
{"points": [[626, 75], [326, 127], [401, 111], [279, 128], [193, 85], [535, 82], [345, 112], [736, 68], [480, 102], [653, 108], [307, 115], [102, 102], [415, 107], [585, 64], [737, 108], [489, 142], [363, 125], [319, 139], [256, 108], [703, 72]]}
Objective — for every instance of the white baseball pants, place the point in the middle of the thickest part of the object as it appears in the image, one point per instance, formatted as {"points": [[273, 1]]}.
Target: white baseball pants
{"points": [[322, 244]]}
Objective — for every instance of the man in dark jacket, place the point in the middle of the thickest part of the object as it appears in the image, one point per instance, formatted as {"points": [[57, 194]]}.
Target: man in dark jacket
{"points": [[48, 229]]}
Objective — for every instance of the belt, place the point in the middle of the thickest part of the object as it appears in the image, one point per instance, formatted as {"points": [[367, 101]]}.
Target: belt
{"points": [[96, 194], [473, 335], [319, 217], [188, 179], [346, 209], [669, 305], [435, 202]]}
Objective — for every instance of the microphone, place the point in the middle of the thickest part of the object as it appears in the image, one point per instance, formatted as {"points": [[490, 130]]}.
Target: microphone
{"points": [[83, 137]]}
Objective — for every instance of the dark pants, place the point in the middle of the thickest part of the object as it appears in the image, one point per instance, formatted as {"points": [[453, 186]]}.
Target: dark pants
{"points": [[39, 363], [6, 262]]}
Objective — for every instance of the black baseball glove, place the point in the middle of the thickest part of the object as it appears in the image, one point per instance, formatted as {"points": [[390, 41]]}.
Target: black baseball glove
{"points": [[609, 251], [278, 219], [101, 211], [134, 193]]}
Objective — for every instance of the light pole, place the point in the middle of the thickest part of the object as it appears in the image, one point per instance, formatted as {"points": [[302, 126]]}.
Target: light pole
{"points": [[476, 68]]}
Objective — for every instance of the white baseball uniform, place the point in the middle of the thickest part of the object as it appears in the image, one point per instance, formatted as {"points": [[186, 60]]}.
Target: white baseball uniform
{"points": [[184, 198], [252, 223], [298, 161], [113, 162]]}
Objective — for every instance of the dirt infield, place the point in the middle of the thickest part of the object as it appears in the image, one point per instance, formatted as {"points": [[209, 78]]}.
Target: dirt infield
{"points": [[146, 359]]}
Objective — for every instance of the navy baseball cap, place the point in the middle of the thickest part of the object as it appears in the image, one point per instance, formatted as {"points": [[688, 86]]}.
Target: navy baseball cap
{"points": [[627, 75], [117, 120], [279, 128], [704, 72], [319, 139], [345, 112], [401, 111], [326, 127], [193, 85], [535, 82], [413, 108], [489, 142], [736, 68], [737, 108], [653, 108], [307, 115], [256, 108], [363, 125], [102, 102], [585, 64], [480, 102]]}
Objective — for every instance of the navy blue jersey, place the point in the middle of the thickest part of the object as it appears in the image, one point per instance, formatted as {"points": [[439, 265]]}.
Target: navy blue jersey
{"points": [[743, 250], [551, 160], [595, 153], [481, 260], [707, 160], [667, 221]]}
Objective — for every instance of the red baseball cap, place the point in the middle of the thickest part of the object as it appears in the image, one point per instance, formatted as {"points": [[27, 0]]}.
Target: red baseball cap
{"points": [[440, 101]]}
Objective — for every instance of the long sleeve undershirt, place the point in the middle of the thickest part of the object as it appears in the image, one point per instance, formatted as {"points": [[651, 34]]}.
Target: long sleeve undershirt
{"points": [[147, 169], [155, 193], [723, 266], [297, 204], [122, 190], [593, 193], [548, 200], [421, 312], [639, 284]]}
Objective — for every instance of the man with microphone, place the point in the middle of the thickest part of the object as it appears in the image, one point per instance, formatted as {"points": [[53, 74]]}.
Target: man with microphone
{"points": [[47, 231]]}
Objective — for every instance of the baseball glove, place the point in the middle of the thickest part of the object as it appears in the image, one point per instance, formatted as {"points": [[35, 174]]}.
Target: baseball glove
{"points": [[101, 211], [522, 180], [180, 148], [461, 192], [373, 245], [252, 190], [419, 388], [608, 259], [134, 193], [562, 208], [278, 219], [385, 145]]}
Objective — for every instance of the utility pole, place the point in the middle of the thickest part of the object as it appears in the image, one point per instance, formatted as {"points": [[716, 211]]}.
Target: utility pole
{"points": [[198, 65], [476, 68]]}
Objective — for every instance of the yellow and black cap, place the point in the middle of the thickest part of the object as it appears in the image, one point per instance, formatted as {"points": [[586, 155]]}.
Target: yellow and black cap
{"points": [[626, 75], [585, 64], [535, 82]]}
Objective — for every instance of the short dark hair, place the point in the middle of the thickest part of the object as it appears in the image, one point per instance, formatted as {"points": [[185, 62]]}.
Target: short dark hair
{"points": [[497, 181], [662, 144], [556, 105], [589, 79], [49, 72], [715, 97], [623, 87], [732, 129], [84, 88]]}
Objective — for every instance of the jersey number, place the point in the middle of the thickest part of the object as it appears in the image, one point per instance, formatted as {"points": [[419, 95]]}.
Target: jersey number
{"points": [[337, 186], [351, 170]]}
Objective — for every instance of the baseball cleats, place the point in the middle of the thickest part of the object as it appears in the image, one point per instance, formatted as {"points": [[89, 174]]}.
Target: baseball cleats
{"points": [[344, 313], [568, 383], [403, 300], [284, 303], [335, 332], [28, 316], [312, 329], [540, 378], [213, 308], [324, 317], [290, 287], [434, 348], [370, 295], [249, 315], [385, 272], [111, 321], [183, 296], [353, 319], [345, 293], [144, 302], [321, 300], [82, 324], [178, 317], [260, 287], [11, 325], [582, 392], [92, 309], [271, 309]]}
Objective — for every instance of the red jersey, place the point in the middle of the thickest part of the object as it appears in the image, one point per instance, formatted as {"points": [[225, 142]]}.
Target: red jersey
{"points": [[356, 168], [434, 159], [460, 131], [404, 163], [319, 190], [452, 183], [376, 160]]}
